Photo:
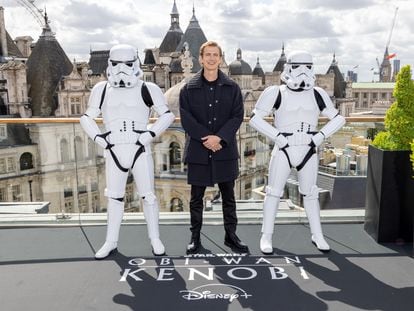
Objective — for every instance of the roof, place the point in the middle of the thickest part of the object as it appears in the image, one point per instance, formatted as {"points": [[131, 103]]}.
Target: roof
{"points": [[173, 36], [373, 85], [358, 273], [98, 61], [281, 61], [149, 57], [45, 68], [339, 82], [12, 48], [172, 39], [195, 37], [239, 66], [258, 70]]}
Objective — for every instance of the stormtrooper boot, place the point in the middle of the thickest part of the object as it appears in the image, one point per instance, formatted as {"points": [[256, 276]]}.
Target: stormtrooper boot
{"points": [[151, 212], [115, 211], [313, 214], [270, 207]]}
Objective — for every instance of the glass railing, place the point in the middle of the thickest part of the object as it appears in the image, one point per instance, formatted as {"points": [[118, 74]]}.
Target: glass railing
{"points": [[50, 169]]}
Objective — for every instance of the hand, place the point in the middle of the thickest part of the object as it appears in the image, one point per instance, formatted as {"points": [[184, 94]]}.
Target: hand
{"points": [[101, 142], [145, 138], [281, 141], [212, 142], [318, 139]]}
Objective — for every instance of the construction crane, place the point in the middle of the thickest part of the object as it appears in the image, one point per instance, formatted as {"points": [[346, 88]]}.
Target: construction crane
{"points": [[384, 69]]}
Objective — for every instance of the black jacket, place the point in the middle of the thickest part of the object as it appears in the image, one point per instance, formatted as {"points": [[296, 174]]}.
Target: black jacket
{"points": [[200, 118]]}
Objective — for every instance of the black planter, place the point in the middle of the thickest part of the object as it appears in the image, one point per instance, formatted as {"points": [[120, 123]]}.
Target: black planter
{"points": [[389, 196]]}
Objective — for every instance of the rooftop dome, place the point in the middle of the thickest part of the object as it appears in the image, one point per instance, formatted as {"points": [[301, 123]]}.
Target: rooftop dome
{"points": [[239, 66]]}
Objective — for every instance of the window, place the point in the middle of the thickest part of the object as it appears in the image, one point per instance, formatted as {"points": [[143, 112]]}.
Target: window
{"points": [[374, 95], [16, 193], [64, 151], [11, 165], [175, 155], [3, 166], [26, 161], [176, 205], [356, 94], [75, 106], [364, 95], [3, 131], [383, 95], [79, 154], [68, 196], [3, 195]]}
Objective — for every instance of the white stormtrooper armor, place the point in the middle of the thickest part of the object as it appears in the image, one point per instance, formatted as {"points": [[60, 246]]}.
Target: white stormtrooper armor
{"points": [[127, 141], [298, 71], [296, 108], [123, 66]]}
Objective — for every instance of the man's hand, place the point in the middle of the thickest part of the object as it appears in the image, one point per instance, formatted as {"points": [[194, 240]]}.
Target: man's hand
{"points": [[212, 142]]}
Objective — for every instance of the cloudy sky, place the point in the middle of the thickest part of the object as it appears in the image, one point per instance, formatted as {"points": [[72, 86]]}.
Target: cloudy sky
{"points": [[356, 30]]}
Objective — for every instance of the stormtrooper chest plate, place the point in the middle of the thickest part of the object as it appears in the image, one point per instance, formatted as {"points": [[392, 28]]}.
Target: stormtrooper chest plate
{"points": [[296, 107], [123, 113]]}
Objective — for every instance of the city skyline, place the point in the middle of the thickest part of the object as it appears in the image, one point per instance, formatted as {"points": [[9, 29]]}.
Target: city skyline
{"points": [[323, 29]]}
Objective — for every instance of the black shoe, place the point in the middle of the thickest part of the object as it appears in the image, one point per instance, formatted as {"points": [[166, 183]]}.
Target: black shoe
{"points": [[232, 240], [194, 245]]}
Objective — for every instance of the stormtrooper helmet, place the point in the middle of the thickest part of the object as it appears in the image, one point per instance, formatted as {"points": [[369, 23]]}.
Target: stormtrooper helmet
{"points": [[123, 66], [298, 71]]}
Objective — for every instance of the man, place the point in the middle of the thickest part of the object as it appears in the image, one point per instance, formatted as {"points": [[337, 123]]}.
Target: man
{"points": [[211, 109], [125, 102], [296, 107]]}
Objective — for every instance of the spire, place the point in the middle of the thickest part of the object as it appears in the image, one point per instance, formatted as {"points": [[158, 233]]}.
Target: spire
{"points": [[47, 31], [193, 18], [239, 54], [175, 16], [334, 62]]}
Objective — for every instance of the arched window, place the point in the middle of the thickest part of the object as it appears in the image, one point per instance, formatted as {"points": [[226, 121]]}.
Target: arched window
{"points": [[176, 205], [26, 161], [64, 151], [79, 148], [175, 156]]}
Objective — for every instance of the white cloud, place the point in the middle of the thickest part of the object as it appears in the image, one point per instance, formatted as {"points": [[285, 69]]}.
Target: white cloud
{"points": [[356, 30]]}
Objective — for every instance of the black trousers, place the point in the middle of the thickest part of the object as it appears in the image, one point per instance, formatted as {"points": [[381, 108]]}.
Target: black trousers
{"points": [[228, 206]]}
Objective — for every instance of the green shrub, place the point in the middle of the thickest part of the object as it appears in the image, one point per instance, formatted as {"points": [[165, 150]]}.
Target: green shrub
{"points": [[399, 119]]}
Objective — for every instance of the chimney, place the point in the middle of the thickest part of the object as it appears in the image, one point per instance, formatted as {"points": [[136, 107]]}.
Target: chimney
{"points": [[3, 38]]}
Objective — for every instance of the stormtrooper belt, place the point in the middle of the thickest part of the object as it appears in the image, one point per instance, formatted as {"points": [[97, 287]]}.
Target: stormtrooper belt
{"points": [[109, 147], [307, 156]]}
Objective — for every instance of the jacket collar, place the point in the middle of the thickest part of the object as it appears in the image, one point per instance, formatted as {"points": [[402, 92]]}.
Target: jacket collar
{"points": [[197, 80]]}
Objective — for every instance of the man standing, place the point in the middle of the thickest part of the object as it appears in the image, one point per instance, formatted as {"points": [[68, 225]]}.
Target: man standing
{"points": [[211, 109]]}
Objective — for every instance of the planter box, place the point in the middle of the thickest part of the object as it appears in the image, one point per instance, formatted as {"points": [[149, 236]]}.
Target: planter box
{"points": [[389, 196]]}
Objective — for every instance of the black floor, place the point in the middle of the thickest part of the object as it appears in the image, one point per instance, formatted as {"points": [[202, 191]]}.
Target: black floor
{"points": [[54, 269]]}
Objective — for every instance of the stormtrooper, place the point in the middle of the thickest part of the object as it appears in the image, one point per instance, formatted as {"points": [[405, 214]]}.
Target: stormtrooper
{"points": [[296, 106], [125, 102]]}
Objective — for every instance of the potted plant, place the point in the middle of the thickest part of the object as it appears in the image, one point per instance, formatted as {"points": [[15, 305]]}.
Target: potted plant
{"points": [[390, 184]]}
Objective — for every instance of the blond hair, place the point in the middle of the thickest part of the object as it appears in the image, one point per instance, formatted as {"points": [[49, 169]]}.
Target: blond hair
{"points": [[210, 43]]}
